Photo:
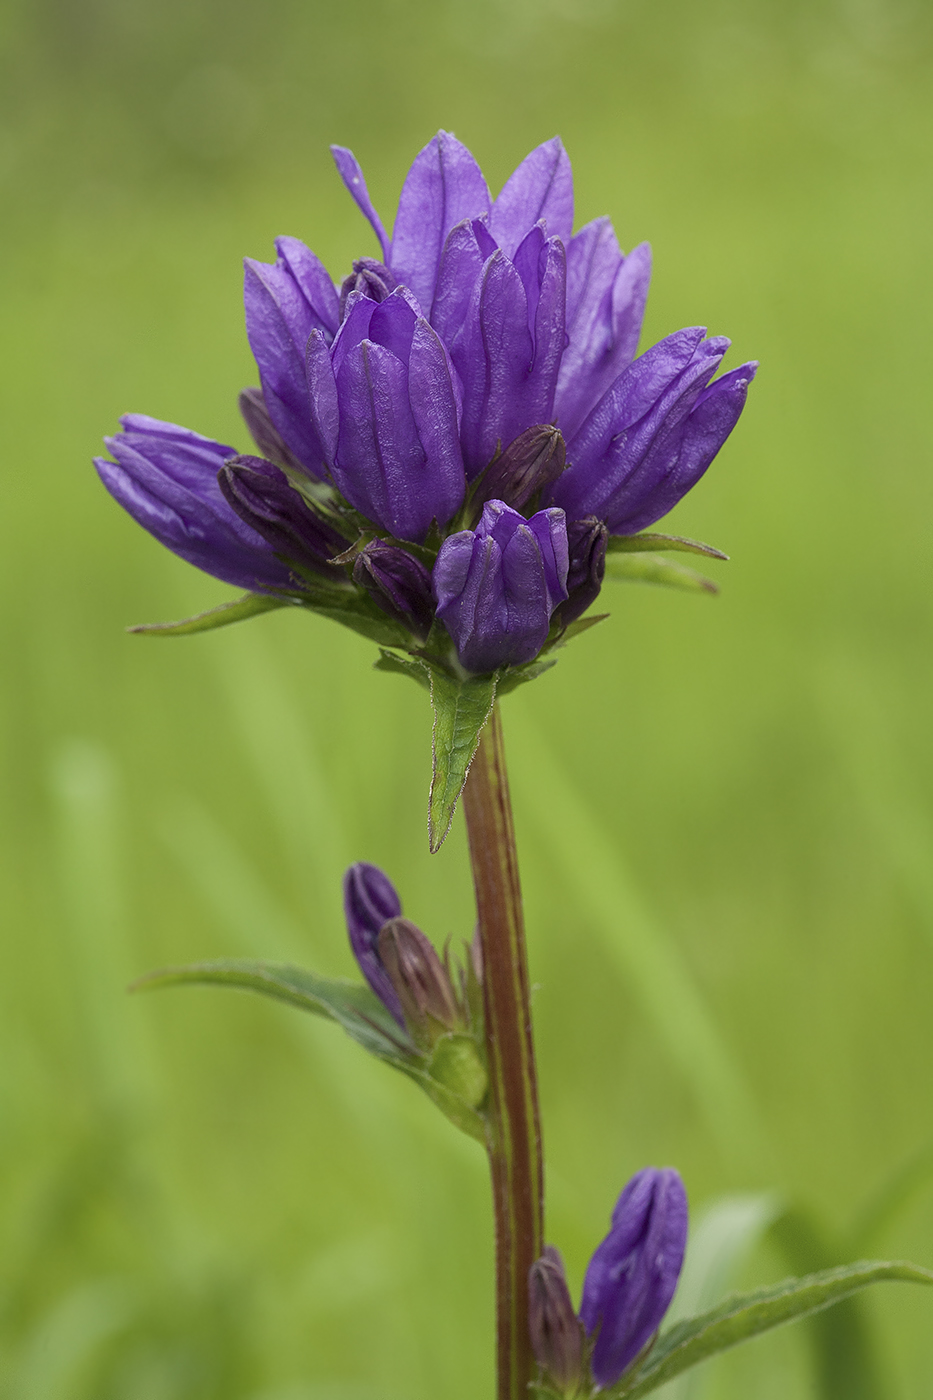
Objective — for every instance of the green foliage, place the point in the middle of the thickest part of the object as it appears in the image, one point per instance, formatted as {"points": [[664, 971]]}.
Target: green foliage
{"points": [[250, 605], [652, 542], [639, 568], [461, 708], [740, 1318]]}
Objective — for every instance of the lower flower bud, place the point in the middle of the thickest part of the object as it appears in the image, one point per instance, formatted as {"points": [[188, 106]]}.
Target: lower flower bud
{"points": [[399, 583], [518, 475], [586, 542], [421, 981], [556, 1332]]}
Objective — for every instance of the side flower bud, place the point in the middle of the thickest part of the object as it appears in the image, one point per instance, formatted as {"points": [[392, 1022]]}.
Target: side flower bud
{"points": [[399, 583], [263, 431], [528, 465], [421, 982], [633, 1274], [587, 540], [497, 586], [370, 277], [262, 497], [369, 901], [556, 1333]]}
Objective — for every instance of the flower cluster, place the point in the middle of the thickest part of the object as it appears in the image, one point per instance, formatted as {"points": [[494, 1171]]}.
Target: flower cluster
{"points": [[628, 1288], [447, 438]]}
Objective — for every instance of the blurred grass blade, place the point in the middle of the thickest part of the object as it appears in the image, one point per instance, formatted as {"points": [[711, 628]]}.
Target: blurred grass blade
{"points": [[723, 1237], [237, 610], [648, 568], [649, 541], [461, 708], [748, 1315], [649, 962], [893, 1197]]}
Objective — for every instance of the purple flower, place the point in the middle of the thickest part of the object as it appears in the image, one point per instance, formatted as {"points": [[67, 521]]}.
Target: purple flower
{"points": [[370, 901], [497, 586], [166, 477], [653, 434], [633, 1274], [384, 406]]}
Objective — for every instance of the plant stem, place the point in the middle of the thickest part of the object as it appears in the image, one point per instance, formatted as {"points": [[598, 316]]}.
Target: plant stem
{"points": [[514, 1141]]}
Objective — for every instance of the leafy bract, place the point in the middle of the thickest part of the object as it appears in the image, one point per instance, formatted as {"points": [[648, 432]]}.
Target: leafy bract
{"points": [[648, 568], [237, 610], [354, 1006], [461, 708], [649, 542], [747, 1315]]}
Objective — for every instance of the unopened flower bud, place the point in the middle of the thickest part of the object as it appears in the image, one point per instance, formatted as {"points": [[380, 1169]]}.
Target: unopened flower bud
{"points": [[370, 900], [262, 497], [556, 1332], [586, 542], [519, 474], [420, 979], [370, 277], [399, 583], [263, 431]]}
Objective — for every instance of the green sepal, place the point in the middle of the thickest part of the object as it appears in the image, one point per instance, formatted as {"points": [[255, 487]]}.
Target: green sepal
{"points": [[237, 610], [456, 1062], [396, 665], [638, 544], [515, 676], [648, 568], [355, 1007], [461, 708], [747, 1315]]}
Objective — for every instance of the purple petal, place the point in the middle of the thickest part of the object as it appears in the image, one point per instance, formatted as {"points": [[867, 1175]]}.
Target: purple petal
{"points": [[541, 188], [633, 1274], [369, 901], [322, 395], [460, 270], [606, 295], [165, 476], [352, 176], [443, 187], [549, 528], [279, 319], [433, 401]]}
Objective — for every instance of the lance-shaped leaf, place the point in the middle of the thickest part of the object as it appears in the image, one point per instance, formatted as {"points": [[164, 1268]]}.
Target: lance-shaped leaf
{"points": [[648, 568], [237, 610], [648, 541], [461, 708], [356, 1008], [748, 1315]]}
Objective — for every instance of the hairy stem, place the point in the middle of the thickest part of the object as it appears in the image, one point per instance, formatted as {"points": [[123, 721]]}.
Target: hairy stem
{"points": [[514, 1129]]}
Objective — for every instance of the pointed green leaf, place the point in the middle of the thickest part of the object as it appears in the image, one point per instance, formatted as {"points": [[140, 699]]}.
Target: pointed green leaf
{"points": [[648, 568], [637, 544], [461, 708], [237, 610], [515, 676], [352, 1005], [401, 666], [748, 1315]]}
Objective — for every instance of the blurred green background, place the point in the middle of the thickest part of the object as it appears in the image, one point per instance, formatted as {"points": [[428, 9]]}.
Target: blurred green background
{"points": [[723, 806]]}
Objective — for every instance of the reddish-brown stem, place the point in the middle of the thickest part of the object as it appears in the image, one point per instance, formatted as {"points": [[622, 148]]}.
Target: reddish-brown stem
{"points": [[514, 1129]]}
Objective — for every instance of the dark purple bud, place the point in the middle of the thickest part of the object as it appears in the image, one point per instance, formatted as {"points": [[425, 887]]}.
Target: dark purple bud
{"points": [[653, 433], [556, 1333], [420, 979], [263, 431], [533, 461], [369, 901], [166, 478], [497, 586], [586, 541], [399, 583], [370, 277], [633, 1274], [262, 497]]}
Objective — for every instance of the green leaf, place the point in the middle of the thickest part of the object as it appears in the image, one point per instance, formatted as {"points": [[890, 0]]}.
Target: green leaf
{"points": [[748, 1315], [641, 568], [637, 544], [356, 1008], [353, 1005], [237, 610], [515, 676], [461, 708], [396, 665]]}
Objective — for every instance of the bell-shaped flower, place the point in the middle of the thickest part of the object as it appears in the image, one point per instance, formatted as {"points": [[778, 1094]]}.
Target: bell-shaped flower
{"points": [[497, 586], [383, 404], [370, 900], [166, 478], [632, 1275], [653, 434], [285, 302]]}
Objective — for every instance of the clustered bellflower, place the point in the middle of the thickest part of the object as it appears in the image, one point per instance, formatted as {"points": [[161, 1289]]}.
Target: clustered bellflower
{"points": [[628, 1288], [449, 436]]}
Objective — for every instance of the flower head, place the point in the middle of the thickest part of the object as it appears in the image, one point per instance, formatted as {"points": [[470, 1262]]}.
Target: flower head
{"points": [[628, 1286]]}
